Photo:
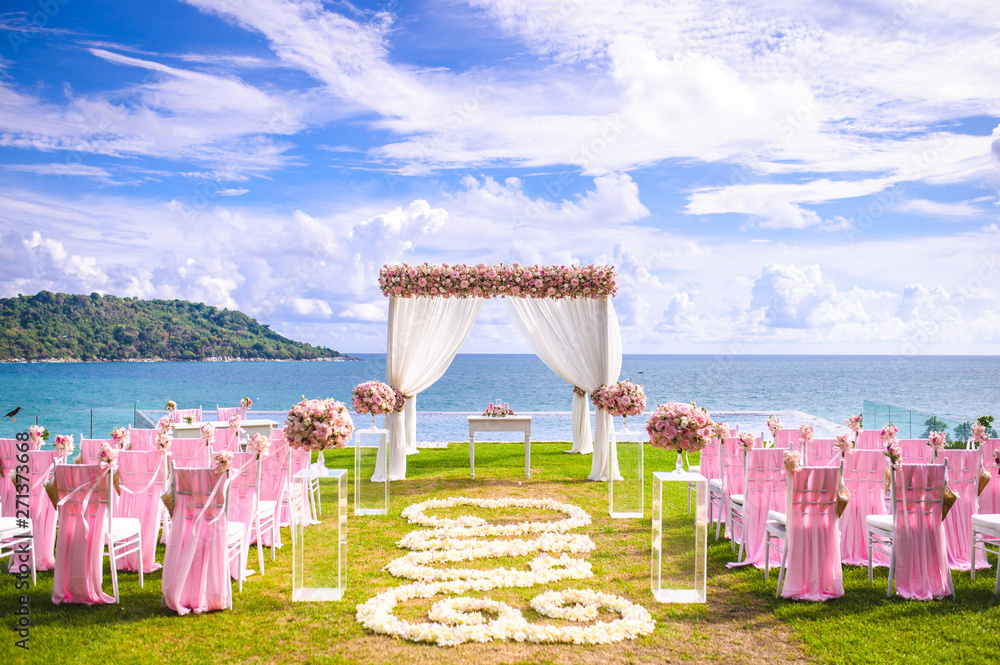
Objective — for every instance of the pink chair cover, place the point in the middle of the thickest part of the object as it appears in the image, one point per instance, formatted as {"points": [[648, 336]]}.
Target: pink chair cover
{"points": [[869, 439], [821, 452], [919, 552], [244, 492], [989, 500], [709, 461], [178, 415], [788, 438], [195, 575], [142, 439], [142, 476], [41, 465], [300, 494], [864, 477], [84, 492], [190, 453], [963, 479], [90, 447], [813, 570], [916, 451], [734, 476], [226, 439], [227, 412], [274, 474], [765, 490], [8, 493]]}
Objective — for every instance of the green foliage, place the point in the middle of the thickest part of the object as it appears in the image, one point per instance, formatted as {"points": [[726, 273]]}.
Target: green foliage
{"points": [[987, 422], [963, 431], [935, 424], [54, 326]]}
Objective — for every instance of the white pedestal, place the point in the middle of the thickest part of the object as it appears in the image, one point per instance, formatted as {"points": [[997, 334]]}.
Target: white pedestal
{"points": [[625, 496], [371, 497], [679, 553], [315, 577]]}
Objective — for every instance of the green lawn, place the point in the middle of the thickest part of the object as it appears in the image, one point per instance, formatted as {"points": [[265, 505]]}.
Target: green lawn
{"points": [[741, 622]]}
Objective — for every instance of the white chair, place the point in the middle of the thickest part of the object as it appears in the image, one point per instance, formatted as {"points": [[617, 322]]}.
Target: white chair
{"points": [[245, 504], [16, 542], [986, 537]]}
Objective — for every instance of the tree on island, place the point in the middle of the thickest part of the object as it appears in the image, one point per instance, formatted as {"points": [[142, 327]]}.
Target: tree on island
{"points": [[935, 424]]}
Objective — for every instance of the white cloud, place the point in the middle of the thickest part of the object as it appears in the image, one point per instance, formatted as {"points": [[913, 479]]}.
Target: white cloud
{"points": [[233, 192]]}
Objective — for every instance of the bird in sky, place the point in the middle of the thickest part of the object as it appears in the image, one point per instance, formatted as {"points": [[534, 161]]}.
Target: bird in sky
{"points": [[11, 414]]}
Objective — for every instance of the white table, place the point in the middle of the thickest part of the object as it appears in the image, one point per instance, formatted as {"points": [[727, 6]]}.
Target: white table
{"points": [[502, 424], [184, 430]]}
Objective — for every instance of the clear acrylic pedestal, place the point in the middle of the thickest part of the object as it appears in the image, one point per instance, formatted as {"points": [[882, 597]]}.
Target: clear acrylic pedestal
{"points": [[371, 498], [625, 496], [679, 553], [315, 576]]}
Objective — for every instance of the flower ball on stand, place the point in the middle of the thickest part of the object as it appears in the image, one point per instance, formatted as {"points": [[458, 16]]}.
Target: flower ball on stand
{"points": [[681, 427], [318, 424], [374, 397], [623, 398]]}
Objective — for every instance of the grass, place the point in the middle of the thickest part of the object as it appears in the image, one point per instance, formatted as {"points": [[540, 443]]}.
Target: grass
{"points": [[741, 622]]}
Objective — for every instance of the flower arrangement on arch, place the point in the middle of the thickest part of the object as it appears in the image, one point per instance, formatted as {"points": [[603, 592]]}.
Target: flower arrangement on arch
{"points": [[64, 445], [936, 440], [806, 433], [844, 443], [318, 424], [107, 456], [400, 401], [492, 281], [746, 441], [854, 423], [774, 424], [120, 436], [259, 444], [679, 426], [373, 397], [246, 402], [498, 411], [792, 460], [579, 391]]}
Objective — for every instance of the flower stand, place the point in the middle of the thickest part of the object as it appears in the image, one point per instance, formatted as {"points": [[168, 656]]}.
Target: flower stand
{"points": [[371, 497], [680, 543], [315, 577], [625, 496]]}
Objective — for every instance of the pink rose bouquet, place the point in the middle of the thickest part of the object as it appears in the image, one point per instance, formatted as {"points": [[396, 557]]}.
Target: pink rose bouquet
{"points": [[774, 424], [936, 441], [854, 423], [236, 424], [246, 402], [892, 448], [223, 462], [579, 391], [979, 433], [259, 444], [170, 406], [36, 436], [793, 461], [166, 424], [318, 424], [844, 443], [373, 397], [498, 411], [400, 401], [163, 441], [806, 433], [722, 432], [624, 398], [682, 427], [120, 436], [107, 456], [64, 445], [208, 433], [746, 441]]}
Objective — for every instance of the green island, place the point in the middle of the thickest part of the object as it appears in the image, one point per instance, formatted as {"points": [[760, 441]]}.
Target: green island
{"points": [[59, 326]]}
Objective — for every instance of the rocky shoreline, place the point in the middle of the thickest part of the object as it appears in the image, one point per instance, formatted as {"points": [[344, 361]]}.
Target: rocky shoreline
{"points": [[210, 359]]}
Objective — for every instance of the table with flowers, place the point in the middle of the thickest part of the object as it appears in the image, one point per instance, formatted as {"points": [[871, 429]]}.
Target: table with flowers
{"points": [[499, 424]]}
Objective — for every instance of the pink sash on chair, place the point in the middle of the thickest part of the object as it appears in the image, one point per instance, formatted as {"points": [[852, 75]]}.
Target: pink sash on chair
{"points": [[83, 522], [143, 479], [919, 551], [227, 412], [788, 438], [90, 447], [813, 570], [764, 491], [916, 451], [43, 515], [195, 569], [8, 493], [989, 500], [963, 479], [864, 477], [733, 470], [226, 439], [142, 439], [869, 439], [821, 452], [190, 453], [274, 473]]}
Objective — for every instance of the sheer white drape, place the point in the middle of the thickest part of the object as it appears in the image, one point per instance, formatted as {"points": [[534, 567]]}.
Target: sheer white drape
{"points": [[579, 339], [583, 438], [424, 336]]}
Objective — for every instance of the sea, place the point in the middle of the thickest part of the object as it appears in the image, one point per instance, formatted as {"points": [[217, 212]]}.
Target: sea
{"points": [[91, 398]]}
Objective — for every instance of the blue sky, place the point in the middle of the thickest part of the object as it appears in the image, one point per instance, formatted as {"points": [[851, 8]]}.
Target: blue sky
{"points": [[768, 177]]}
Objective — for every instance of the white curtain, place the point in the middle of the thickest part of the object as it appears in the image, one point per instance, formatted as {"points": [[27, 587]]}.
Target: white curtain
{"points": [[579, 339], [583, 438], [424, 336]]}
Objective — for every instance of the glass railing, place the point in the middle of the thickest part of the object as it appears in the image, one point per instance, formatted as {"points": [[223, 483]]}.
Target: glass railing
{"points": [[914, 424]]}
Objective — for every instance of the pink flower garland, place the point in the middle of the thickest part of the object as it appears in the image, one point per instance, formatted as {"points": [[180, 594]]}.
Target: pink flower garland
{"points": [[318, 424], [579, 391], [492, 281], [682, 427]]}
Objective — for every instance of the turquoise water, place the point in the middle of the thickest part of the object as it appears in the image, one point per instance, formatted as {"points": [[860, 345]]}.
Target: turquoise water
{"points": [[62, 395]]}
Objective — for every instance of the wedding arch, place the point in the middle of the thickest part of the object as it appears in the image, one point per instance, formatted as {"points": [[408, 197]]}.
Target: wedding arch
{"points": [[564, 313]]}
